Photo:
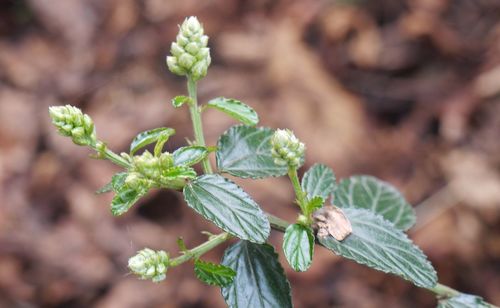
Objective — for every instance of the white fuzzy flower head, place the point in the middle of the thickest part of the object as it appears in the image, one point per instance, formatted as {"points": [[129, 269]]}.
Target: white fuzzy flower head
{"points": [[72, 122], [149, 264], [190, 54], [286, 149]]}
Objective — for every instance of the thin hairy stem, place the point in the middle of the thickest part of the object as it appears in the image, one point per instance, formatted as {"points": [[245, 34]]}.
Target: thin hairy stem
{"points": [[299, 193], [199, 250], [197, 124]]}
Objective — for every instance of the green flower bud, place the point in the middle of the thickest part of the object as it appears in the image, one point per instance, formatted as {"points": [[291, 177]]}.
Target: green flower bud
{"points": [[147, 164], [72, 122], [149, 264], [190, 54], [286, 149]]}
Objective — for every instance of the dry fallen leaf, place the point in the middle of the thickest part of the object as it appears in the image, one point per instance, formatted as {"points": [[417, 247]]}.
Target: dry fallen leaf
{"points": [[330, 220]]}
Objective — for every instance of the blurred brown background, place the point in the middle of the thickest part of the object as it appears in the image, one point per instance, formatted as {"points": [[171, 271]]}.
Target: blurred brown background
{"points": [[408, 91]]}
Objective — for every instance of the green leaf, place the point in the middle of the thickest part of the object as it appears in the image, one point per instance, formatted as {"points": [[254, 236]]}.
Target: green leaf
{"points": [[124, 199], [260, 280], [213, 274], [463, 301], [245, 152], [189, 155], [298, 246], [150, 136], [319, 180], [117, 181], [370, 193], [314, 204], [180, 100], [235, 109], [106, 188], [226, 205], [377, 243]]}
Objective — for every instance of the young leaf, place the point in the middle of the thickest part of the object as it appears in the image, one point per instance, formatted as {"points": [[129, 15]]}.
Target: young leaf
{"points": [[314, 204], [319, 180], [226, 205], [245, 152], [150, 136], [298, 246], [463, 301], [124, 199], [117, 181], [370, 193], [260, 280], [189, 155], [235, 109], [377, 243], [180, 100], [213, 274]]}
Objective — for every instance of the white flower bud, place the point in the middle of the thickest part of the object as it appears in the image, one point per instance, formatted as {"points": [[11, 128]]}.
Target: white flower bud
{"points": [[286, 149], [72, 122], [149, 264], [190, 55]]}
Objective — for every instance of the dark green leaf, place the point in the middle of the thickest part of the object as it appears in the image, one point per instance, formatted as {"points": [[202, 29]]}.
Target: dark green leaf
{"points": [[235, 109], [150, 136], [189, 155], [319, 180], [245, 152], [225, 204], [298, 246], [378, 196], [117, 181], [463, 301], [213, 274], [377, 243], [314, 204], [260, 281], [124, 199], [180, 100]]}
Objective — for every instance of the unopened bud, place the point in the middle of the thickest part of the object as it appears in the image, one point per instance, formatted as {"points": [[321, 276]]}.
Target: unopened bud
{"points": [[149, 264], [72, 122], [286, 149], [190, 54]]}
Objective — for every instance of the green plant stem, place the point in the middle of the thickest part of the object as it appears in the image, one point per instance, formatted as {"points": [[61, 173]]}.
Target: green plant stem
{"points": [[444, 291], [198, 251], [110, 155], [197, 124], [299, 193], [277, 223]]}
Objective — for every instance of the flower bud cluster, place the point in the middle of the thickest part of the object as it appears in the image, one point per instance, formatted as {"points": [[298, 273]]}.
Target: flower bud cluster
{"points": [[148, 171], [72, 122], [286, 149], [151, 166], [149, 264], [190, 54]]}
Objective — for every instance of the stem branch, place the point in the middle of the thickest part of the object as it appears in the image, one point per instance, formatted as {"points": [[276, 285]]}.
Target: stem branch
{"points": [[112, 156], [198, 251]]}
